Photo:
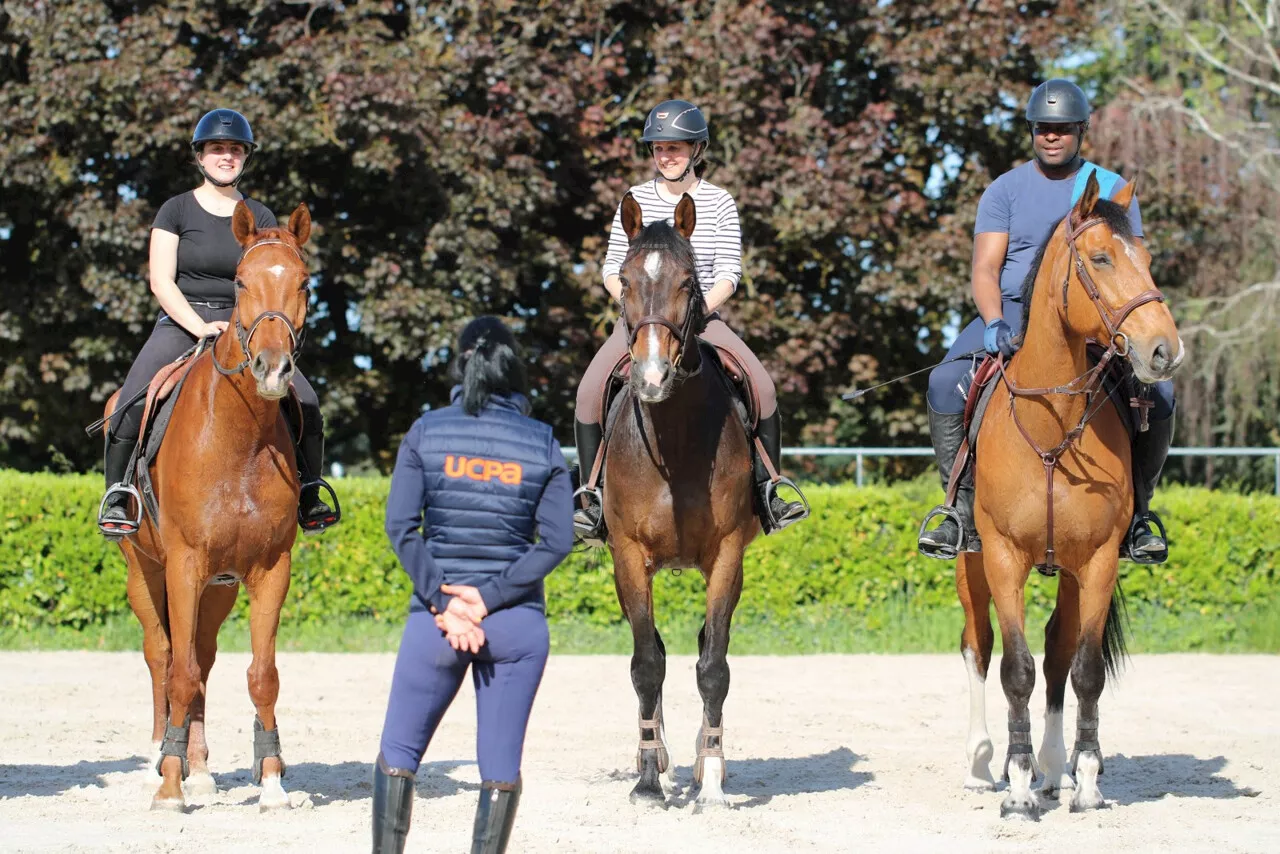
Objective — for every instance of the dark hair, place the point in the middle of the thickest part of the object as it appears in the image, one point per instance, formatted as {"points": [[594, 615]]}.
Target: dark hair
{"points": [[487, 362]]}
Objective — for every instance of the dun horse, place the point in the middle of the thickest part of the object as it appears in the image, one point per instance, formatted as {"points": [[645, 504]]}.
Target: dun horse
{"points": [[1054, 488], [678, 494], [226, 482]]}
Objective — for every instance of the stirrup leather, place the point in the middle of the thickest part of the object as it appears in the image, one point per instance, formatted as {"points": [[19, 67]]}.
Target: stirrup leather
{"points": [[315, 526], [944, 551], [116, 528], [771, 492]]}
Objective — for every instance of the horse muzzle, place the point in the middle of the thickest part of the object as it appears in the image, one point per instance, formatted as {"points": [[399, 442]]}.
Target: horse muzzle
{"points": [[1157, 360], [651, 379], [273, 372]]}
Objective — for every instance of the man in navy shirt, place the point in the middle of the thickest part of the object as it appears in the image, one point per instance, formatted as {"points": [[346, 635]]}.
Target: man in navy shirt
{"points": [[1016, 215]]}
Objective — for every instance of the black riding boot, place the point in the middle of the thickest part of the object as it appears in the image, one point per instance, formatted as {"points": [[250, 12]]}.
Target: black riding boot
{"points": [[314, 515], [114, 520], [588, 514], [944, 542], [495, 816], [392, 807], [1150, 450], [775, 512]]}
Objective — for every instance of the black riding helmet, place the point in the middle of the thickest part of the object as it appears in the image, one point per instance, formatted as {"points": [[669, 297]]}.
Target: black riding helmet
{"points": [[678, 121], [1058, 101], [223, 125]]}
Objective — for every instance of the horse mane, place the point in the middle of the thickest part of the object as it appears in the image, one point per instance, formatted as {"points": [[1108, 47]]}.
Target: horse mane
{"points": [[659, 236], [1115, 217]]}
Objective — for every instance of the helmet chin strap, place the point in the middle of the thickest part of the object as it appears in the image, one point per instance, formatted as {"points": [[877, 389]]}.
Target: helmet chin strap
{"points": [[694, 160], [234, 181]]}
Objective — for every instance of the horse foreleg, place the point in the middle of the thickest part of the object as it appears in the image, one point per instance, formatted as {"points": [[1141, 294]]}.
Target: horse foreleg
{"points": [[183, 597], [1060, 638], [267, 589], [1006, 576], [975, 646], [215, 605], [146, 592], [1089, 673], [634, 585], [724, 586]]}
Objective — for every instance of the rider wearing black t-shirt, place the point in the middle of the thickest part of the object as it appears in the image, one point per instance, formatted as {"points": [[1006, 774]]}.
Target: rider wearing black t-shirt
{"points": [[194, 256]]}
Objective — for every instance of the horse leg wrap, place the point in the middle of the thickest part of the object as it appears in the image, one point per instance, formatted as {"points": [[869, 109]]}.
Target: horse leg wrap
{"points": [[1086, 739], [1019, 743], [175, 744], [266, 742], [705, 750]]}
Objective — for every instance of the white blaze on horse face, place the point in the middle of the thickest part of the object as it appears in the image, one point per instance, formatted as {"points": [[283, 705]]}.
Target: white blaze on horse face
{"points": [[652, 374], [1131, 250], [653, 265], [977, 747]]}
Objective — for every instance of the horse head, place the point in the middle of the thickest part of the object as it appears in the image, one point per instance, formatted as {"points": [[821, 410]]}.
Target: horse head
{"points": [[1117, 302], [271, 285], [662, 306]]}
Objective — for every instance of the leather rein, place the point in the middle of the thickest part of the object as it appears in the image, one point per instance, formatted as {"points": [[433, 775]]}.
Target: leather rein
{"points": [[245, 336], [1089, 383]]}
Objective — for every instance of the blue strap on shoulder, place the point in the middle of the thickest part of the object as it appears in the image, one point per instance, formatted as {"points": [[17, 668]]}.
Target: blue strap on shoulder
{"points": [[1106, 181]]}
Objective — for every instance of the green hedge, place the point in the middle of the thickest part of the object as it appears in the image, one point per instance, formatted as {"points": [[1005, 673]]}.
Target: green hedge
{"points": [[857, 552]]}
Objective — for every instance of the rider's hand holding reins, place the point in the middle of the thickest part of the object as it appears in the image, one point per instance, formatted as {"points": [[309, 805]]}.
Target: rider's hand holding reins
{"points": [[998, 338], [213, 329]]}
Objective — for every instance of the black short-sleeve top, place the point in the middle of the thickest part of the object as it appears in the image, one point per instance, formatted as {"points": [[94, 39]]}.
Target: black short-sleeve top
{"points": [[207, 250]]}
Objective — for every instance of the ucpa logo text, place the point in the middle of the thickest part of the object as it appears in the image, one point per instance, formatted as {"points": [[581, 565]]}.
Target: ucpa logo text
{"points": [[478, 469]]}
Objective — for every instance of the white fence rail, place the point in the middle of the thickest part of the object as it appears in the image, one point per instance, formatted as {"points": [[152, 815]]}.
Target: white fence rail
{"points": [[861, 454]]}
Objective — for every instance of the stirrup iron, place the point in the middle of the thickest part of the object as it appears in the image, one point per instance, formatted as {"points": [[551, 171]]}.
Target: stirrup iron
{"points": [[118, 529], [771, 492], [315, 526]]}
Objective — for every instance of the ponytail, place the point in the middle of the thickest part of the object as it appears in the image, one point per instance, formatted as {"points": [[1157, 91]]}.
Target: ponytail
{"points": [[487, 363]]}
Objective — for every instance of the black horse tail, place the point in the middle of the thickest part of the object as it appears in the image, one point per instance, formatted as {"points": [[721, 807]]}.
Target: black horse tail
{"points": [[1115, 647]]}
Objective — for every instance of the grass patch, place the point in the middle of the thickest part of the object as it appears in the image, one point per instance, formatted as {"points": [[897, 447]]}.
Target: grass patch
{"points": [[893, 628]]}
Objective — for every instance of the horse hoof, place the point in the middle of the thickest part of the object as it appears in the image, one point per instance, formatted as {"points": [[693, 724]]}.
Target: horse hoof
{"points": [[1085, 803], [200, 783], [710, 804], [980, 784], [177, 805], [1022, 808], [273, 796], [643, 795]]}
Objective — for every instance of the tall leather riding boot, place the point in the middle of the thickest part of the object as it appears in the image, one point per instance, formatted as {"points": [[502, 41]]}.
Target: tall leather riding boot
{"points": [[114, 520], [392, 807], [587, 520], [946, 431], [779, 513], [313, 513], [495, 816], [1150, 450]]}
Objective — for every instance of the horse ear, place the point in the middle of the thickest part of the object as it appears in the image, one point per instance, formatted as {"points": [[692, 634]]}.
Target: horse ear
{"points": [[632, 219], [242, 224], [686, 216], [300, 223], [1088, 199], [1126, 194]]}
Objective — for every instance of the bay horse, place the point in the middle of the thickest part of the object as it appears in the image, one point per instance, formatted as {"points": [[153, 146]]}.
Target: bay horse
{"points": [[1054, 488], [677, 469], [226, 482]]}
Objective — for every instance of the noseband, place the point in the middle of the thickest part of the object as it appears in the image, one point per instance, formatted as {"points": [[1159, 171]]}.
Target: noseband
{"points": [[245, 336], [1092, 379]]}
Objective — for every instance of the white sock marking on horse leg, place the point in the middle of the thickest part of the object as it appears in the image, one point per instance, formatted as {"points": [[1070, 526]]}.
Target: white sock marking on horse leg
{"points": [[1020, 800], [1053, 757], [977, 747], [273, 795], [667, 779], [150, 779], [712, 791], [1088, 796]]}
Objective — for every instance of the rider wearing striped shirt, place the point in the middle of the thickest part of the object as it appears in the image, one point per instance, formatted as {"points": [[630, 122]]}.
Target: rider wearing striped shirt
{"points": [[677, 134]]}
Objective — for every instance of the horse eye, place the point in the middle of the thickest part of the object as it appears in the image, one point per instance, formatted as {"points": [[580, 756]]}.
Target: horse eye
{"points": [[1101, 260], [239, 285], [623, 283]]}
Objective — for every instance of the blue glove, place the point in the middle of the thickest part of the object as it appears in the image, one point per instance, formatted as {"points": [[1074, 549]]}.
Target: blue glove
{"points": [[998, 338]]}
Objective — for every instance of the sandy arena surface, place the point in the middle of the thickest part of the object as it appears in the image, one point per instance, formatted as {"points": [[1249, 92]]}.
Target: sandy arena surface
{"points": [[825, 753]]}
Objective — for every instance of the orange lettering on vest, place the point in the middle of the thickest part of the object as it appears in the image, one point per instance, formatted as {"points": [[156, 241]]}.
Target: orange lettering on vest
{"points": [[475, 468]]}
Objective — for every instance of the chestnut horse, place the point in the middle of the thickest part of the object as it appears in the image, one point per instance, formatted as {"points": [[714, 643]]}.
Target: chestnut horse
{"points": [[226, 481], [677, 469], [1054, 488]]}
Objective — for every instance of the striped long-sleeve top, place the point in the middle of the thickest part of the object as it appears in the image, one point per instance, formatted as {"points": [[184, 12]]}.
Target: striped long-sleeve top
{"points": [[716, 238]]}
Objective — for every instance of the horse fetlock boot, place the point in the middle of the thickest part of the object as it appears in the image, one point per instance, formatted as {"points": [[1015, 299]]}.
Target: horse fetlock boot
{"points": [[776, 512], [1150, 450], [495, 816], [588, 515], [956, 533], [314, 514], [175, 744], [266, 744], [393, 790]]}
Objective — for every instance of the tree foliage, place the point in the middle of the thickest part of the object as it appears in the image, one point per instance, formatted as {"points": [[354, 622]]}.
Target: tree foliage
{"points": [[467, 157]]}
